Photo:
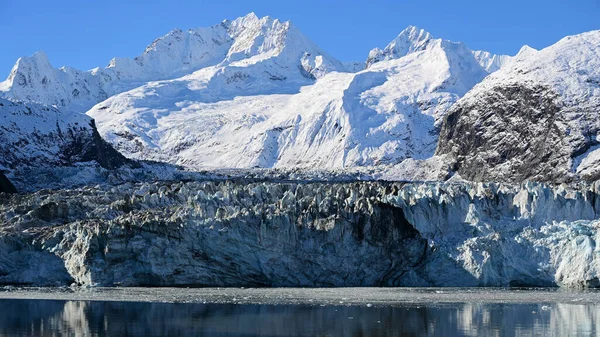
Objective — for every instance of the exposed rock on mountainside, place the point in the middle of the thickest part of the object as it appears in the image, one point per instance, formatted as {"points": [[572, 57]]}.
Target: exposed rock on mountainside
{"points": [[303, 234], [38, 137], [5, 185], [509, 133], [536, 119]]}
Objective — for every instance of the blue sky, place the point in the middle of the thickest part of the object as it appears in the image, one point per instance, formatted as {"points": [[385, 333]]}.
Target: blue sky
{"points": [[88, 33]]}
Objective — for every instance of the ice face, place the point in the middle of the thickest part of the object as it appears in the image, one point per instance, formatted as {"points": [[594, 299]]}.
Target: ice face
{"points": [[303, 234]]}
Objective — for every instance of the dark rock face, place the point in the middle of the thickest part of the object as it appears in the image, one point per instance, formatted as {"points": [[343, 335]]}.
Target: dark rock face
{"points": [[36, 138], [90, 146], [509, 133], [5, 185]]}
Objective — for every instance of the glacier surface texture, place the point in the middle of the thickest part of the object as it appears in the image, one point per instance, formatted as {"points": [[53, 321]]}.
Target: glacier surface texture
{"points": [[228, 233]]}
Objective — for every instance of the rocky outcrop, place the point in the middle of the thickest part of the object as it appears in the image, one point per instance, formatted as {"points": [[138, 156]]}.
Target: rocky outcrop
{"points": [[537, 118], [38, 142], [95, 148], [509, 133], [33, 135], [5, 185], [302, 234]]}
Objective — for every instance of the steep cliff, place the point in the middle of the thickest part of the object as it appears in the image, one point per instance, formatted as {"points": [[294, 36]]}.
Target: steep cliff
{"points": [[303, 234], [537, 118], [5, 185]]}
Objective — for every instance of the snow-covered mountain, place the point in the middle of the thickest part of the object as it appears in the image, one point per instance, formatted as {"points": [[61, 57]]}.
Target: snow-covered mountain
{"points": [[255, 92], [269, 47], [537, 118], [257, 113]]}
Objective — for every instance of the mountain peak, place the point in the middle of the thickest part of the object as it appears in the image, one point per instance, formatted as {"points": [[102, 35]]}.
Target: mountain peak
{"points": [[410, 40], [414, 33], [414, 39], [244, 42], [38, 59], [38, 63], [525, 52], [251, 20], [250, 17]]}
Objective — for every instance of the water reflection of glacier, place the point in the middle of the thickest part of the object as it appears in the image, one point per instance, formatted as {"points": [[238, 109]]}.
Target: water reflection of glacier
{"points": [[80, 318]]}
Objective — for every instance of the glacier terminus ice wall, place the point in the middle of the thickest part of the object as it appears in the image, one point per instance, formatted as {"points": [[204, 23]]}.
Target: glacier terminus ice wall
{"points": [[318, 234]]}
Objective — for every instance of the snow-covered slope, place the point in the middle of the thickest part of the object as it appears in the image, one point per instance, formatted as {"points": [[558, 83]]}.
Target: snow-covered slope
{"points": [[491, 62], [536, 118], [267, 112], [274, 48]]}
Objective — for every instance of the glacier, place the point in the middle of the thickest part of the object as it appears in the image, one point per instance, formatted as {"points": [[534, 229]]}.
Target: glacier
{"points": [[269, 233], [277, 165]]}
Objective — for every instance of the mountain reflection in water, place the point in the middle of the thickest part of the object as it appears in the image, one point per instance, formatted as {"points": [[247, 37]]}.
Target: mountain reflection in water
{"points": [[86, 318]]}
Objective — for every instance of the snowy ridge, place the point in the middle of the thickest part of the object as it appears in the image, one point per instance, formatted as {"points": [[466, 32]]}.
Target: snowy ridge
{"points": [[239, 43], [491, 62], [414, 39]]}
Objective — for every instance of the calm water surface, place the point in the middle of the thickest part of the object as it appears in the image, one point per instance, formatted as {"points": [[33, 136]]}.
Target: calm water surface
{"points": [[44, 317]]}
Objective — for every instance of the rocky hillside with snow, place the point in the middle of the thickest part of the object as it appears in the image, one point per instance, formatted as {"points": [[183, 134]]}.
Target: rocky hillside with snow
{"points": [[34, 136], [536, 119]]}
